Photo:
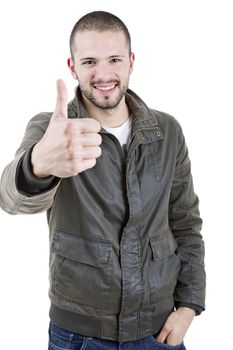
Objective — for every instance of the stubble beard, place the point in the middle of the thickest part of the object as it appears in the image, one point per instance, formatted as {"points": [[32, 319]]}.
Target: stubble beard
{"points": [[107, 103]]}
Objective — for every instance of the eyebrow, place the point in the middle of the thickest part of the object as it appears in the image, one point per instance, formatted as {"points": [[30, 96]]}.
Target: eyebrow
{"points": [[87, 58], [93, 58]]}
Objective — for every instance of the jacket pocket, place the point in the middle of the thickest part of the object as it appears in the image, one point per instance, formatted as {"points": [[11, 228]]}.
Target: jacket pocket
{"points": [[80, 269], [164, 266]]}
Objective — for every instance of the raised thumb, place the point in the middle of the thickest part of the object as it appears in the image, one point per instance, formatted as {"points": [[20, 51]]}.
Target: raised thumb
{"points": [[62, 100]]}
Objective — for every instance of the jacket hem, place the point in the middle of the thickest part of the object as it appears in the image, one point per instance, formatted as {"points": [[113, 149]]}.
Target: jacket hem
{"points": [[106, 327]]}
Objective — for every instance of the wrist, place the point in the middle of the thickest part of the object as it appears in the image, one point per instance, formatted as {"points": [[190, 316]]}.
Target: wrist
{"points": [[187, 311], [37, 164]]}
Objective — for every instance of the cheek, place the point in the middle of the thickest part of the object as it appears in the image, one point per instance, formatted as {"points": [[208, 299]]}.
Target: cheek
{"points": [[85, 77], [125, 71], [124, 76]]}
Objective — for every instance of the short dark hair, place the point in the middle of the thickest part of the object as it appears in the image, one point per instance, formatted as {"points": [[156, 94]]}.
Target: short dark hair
{"points": [[100, 21]]}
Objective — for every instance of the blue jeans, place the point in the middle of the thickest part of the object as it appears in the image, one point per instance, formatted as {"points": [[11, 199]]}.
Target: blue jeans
{"points": [[60, 339]]}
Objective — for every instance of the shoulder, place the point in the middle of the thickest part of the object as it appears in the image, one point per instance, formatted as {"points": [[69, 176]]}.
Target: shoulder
{"points": [[165, 118], [167, 122]]}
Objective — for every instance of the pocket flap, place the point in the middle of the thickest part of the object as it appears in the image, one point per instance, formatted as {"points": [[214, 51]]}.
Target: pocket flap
{"points": [[163, 247], [78, 248]]}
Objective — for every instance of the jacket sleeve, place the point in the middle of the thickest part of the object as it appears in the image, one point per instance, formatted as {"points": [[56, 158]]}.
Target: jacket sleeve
{"points": [[27, 182], [185, 223], [14, 199]]}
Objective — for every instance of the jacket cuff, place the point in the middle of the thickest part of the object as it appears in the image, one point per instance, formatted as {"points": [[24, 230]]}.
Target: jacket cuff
{"points": [[27, 182], [194, 307]]}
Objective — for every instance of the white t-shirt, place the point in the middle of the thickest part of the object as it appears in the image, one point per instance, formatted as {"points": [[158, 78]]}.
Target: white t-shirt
{"points": [[123, 132]]}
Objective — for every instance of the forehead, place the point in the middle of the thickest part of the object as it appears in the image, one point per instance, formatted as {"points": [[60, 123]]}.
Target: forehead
{"points": [[92, 43]]}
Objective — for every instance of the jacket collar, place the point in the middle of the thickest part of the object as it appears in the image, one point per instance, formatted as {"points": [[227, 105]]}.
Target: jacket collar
{"points": [[143, 117]]}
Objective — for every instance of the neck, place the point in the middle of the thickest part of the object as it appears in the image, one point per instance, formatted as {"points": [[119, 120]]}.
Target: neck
{"points": [[110, 118]]}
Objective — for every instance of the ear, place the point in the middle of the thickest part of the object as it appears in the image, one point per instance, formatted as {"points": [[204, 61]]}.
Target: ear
{"points": [[72, 68], [132, 59]]}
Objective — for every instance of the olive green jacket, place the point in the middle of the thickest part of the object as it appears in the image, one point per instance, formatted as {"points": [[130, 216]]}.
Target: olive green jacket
{"points": [[125, 242]]}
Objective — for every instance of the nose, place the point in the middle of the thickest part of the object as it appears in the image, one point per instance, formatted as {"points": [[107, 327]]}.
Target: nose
{"points": [[103, 71]]}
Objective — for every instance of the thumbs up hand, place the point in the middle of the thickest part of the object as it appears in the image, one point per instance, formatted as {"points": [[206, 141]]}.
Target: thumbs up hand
{"points": [[62, 100], [69, 146]]}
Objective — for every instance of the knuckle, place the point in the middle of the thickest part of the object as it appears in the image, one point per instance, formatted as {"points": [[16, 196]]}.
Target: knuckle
{"points": [[68, 126], [99, 139], [98, 126], [66, 143], [74, 167], [92, 163], [99, 151], [81, 123], [70, 153]]}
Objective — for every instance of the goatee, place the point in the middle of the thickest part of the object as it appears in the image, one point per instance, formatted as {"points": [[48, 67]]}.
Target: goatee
{"points": [[107, 104]]}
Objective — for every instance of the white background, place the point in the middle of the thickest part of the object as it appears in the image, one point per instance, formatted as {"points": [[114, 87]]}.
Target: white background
{"points": [[183, 66]]}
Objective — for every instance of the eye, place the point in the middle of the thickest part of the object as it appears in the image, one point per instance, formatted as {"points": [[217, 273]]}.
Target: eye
{"points": [[89, 62], [115, 60]]}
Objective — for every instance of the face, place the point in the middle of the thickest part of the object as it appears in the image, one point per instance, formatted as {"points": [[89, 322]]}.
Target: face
{"points": [[102, 66]]}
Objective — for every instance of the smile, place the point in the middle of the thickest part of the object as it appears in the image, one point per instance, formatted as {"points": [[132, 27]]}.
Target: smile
{"points": [[105, 88]]}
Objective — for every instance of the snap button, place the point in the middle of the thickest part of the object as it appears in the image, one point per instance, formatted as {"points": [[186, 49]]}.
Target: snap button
{"points": [[142, 136]]}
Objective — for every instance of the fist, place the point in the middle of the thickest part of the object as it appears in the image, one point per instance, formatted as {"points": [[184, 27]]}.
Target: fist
{"points": [[69, 146]]}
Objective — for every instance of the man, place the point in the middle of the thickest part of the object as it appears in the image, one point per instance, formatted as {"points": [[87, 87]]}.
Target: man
{"points": [[126, 253]]}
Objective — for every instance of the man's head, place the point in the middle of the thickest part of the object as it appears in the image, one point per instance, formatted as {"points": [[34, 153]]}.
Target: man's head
{"points": [[101, 58], [99, 21]]}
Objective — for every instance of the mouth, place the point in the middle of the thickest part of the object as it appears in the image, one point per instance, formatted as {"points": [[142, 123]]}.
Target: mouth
{"points": [[105, 88]]}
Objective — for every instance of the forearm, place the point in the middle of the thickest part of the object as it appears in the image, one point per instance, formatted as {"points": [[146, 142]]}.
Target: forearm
{"points": [[14, 199], [30, 184], [185, 223]]}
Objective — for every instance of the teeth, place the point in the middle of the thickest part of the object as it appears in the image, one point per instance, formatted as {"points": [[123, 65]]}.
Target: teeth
{"points": [[105, 88]]}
